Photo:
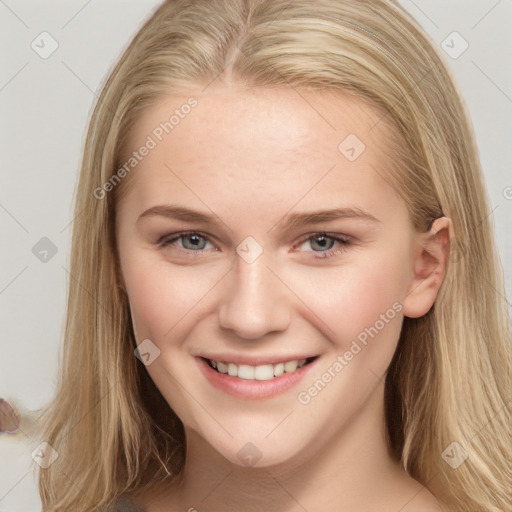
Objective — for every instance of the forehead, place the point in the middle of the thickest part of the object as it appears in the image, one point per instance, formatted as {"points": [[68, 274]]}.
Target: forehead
{"points": [[259, 146]]}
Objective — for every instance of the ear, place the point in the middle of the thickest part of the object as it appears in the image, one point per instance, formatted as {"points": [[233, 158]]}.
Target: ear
{"points": [[431, 255]]}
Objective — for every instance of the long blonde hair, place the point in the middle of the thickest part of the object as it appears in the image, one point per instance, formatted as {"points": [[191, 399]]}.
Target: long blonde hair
{"points": [[450, 379]]}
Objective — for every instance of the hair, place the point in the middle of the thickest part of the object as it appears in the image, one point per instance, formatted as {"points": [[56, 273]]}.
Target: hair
{"points": [[450, 377]]}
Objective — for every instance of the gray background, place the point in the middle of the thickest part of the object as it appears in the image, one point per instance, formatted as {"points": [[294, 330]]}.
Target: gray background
{"points": [[45, 104]]}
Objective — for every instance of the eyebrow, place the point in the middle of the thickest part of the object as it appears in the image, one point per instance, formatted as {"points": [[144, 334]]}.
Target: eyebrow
{"points": [[288, 222]]}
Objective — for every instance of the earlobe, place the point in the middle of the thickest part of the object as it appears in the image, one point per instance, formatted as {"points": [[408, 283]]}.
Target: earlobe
{"points": [[429, 268]]}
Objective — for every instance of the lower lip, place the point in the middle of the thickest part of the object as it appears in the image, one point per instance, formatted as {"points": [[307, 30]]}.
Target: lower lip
{"points": [[252, 389]]}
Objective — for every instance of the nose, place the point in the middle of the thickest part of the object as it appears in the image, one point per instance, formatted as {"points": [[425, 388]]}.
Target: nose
{"points": [[255, 302]]}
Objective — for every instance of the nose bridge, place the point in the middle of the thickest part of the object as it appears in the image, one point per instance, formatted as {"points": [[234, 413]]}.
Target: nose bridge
{"points": [[254, 300]]}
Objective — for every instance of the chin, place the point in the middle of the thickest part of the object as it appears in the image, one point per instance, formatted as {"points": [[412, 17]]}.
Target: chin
{"points": [[256, 451]]}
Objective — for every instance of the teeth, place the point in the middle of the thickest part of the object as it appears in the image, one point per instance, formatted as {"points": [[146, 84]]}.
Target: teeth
{"points": [[290, 366], [245, 371], [232, 370], [262, 372], [278, 369], [223, 368]]}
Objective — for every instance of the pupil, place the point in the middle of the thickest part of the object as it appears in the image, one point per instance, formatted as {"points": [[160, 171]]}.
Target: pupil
{"points": [[193, 240], [323, 241]]}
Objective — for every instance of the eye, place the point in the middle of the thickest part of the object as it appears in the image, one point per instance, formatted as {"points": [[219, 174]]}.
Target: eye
{"points": [[190, 241], [325, 240]]}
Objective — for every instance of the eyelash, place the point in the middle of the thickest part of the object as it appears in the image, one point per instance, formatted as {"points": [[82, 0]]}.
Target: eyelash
{"points": [[166, 241]]}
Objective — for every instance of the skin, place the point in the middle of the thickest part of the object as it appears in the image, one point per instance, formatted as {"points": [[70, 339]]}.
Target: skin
{"points": [[249, 157]]}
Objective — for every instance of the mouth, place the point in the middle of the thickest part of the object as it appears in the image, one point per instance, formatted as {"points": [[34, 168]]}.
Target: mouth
{"points": [[263, 372], [263, 381]]}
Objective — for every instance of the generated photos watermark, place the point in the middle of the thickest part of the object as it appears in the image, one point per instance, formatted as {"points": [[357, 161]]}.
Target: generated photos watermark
{"points": [[361, 341], [151, 142]]}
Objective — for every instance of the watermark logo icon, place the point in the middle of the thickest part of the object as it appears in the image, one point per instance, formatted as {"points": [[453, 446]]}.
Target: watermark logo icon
{"points": [[249, 454], [249, 249], [44, 250], [454, 45], [44, 45], [351, 147], [454, 455], [146, 352], [45, 455]]}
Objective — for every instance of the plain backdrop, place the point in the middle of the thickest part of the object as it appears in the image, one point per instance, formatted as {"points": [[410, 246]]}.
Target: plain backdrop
{"points": [[45, 104]]}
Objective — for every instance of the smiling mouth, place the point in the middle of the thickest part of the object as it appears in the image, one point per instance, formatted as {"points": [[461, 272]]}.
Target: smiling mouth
{"points": [[260, 372]]}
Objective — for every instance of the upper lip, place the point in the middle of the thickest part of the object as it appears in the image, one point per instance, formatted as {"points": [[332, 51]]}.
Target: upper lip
{"points": [[256, 360]]}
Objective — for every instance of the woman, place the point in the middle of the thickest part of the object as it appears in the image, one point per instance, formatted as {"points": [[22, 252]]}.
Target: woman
{"points": [[216, 356]]}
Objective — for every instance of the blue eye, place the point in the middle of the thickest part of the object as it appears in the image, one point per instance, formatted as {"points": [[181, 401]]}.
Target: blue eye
{"points": [[322, 239], [192, 239], [194, 242]]}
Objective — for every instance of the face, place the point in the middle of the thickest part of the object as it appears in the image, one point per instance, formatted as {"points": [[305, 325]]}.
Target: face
{"points": [[244, 286]]}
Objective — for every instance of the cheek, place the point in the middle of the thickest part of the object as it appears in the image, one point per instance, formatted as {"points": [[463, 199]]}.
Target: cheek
{"points": [[373, 293], [161, 297], [347, 301]]}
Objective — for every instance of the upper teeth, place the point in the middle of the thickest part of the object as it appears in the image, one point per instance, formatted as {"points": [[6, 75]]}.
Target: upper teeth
{"points": [[262, 372]]}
